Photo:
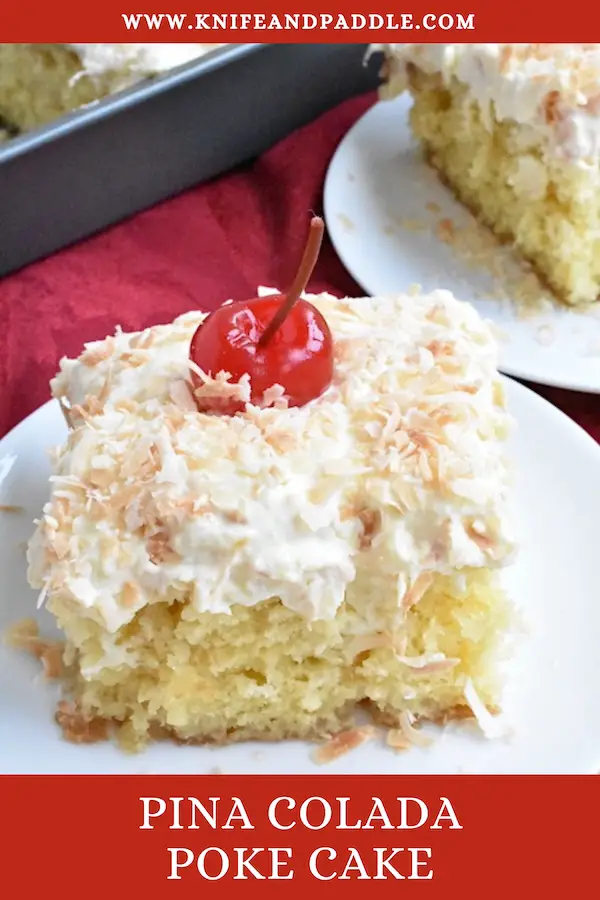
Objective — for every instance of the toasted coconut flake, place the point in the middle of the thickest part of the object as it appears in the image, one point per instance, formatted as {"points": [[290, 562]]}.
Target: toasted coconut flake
{"points": [[405, 495], [125, 405], [42, 597], [428, 663], [181, 395], [413, 735], [490, 725], [60, 545], [505, 58], [129, 594], [234, 516], [76, 728], [363, 643], [186, 506], [371, 523], [281, 441], [485, 543], [81, 412], [552, 113], [103, 394], [275, 396], [440, 349], [417, 590], [221, 389], [343, 743], [425, 467], [143, 340], [159, 548], [95, 355], [136, 358]]}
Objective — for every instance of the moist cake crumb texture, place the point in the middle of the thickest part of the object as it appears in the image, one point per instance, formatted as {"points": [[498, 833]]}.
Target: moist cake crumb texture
{"points": [[515, 131], [257, 576]]}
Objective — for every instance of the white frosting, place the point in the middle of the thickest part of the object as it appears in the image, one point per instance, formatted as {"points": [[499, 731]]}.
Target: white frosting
{"points": [[277, 502], [555, 88], [137, 59]]}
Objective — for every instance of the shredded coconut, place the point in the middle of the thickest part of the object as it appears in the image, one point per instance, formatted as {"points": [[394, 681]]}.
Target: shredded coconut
{"points": [[343, 743], [491, 726]]}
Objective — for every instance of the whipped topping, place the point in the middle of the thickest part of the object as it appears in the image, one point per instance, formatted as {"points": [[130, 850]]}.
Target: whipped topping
{"points": [[398, 470], [554, 88], [137, 59]]}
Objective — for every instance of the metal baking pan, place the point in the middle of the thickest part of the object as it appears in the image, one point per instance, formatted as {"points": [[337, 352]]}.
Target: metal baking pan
{"points": [[101, 164]]}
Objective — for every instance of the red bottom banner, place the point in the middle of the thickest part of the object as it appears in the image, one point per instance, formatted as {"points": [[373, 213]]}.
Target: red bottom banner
{"points": [[196, 836]]}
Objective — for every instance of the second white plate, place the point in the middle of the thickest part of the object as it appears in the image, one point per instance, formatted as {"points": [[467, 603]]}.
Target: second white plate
{"points": [[394, 224]]}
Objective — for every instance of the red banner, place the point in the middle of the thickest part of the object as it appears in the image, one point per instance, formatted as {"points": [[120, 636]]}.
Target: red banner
{"points": [[431, 21], [161, 836]]}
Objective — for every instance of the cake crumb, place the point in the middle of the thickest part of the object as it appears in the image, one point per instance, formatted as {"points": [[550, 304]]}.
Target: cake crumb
{"points": [[545, 335], [347, 222], [445, 231], [25, 635], [76, 728], [397, 740], [7, 508], [414, 225], [342, 743], [433, 207], [515, 283]]}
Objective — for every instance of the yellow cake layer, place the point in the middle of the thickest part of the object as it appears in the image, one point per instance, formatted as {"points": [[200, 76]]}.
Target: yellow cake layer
{"points": [[265, 672], [547, 205], [40, 82]]}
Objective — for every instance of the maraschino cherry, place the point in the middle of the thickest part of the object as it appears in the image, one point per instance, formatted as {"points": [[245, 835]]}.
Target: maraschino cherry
{"points": [[280, 339]]}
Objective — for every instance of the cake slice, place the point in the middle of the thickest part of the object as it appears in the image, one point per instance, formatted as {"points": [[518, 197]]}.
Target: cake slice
{"points": [[257, 576], [514, 131], [40, 82]]}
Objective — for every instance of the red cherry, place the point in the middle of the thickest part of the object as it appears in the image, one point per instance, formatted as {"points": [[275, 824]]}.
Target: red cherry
{"points": [[279, 339]]}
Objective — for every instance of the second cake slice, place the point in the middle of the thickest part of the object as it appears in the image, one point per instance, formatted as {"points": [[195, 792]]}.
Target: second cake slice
{"points": [[514, 129]]}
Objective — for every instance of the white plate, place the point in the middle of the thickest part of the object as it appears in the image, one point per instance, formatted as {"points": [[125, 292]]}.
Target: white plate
{"points": [[377, 194], [554, 684]]}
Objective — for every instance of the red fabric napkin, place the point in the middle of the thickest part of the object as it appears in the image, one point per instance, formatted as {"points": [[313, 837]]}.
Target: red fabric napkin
{"points": [[218, 241]]}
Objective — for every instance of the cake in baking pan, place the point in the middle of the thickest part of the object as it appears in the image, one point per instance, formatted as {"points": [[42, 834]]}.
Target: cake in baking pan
{"points": [[514, 130], [236, 558], [40, 82]]}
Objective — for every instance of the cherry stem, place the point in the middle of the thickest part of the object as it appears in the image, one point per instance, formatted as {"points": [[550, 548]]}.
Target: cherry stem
{"points": [[305, 270]]}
